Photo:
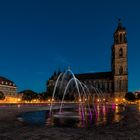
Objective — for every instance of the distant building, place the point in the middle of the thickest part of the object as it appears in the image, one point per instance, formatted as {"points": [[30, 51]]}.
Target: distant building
{"points": [[113, 83], [7, 87]]}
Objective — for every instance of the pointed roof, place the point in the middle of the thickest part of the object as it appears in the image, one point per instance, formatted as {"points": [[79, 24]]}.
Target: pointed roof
{"points": [[120, 26]]}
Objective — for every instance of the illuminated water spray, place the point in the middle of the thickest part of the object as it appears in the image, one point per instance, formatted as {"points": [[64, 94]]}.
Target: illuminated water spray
{"points": [[72, 82]]}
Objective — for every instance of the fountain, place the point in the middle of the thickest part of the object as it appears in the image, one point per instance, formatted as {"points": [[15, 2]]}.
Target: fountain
{"points": [[83, 93], [83, 112]]}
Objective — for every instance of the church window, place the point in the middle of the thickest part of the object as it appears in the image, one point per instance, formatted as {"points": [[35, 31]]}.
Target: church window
{"points": [[120, 84], [116, 38], [120, 37], [121, 70], [121, 52]]}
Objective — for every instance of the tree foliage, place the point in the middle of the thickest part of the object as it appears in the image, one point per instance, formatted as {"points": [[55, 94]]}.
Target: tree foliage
{"points": [[29, 95], [138, 96], [130, 96], [42, 96]]}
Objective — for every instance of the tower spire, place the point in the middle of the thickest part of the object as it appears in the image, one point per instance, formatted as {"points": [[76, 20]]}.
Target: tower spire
{"points": [[119, 61], [119, 23], [120, 33]]}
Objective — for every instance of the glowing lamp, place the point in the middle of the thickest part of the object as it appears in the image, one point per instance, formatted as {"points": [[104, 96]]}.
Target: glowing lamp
{"points": [[18, 99], [98, 100]]}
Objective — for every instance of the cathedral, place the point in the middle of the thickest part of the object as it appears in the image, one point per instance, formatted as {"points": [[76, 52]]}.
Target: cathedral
{"points": [[113, 83]]}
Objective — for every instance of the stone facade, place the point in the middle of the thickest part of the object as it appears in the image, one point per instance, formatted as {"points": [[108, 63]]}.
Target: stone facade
{"points": [[7, 87], [119, 62], [115, 82]]}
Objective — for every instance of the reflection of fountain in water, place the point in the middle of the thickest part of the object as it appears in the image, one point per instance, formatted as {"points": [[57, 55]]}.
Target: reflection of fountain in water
{"points": [[74, 118], [68, 80]]}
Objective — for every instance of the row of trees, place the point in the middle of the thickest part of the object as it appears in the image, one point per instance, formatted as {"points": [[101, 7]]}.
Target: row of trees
{"points": [[130, 96], [29, 95]]}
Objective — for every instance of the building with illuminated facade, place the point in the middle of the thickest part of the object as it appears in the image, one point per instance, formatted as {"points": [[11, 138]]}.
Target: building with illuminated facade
{"points": [[113, 83], [8, 88]]}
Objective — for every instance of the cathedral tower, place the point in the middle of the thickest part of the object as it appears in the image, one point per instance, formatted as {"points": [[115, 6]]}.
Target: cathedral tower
{"points": [[119, 62]]}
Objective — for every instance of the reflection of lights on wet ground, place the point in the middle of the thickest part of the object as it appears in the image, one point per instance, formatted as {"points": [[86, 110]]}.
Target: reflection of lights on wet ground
{"points": [[80, 100], [104, 114], [117, 116], [113, 106], [98, 119], [82, 118], [116, 109], [104, 110], [50, 121], [85, 110], [139, 106], [98, 109], [18, 105]]}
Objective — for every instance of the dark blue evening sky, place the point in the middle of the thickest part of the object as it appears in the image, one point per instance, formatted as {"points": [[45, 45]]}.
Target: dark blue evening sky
{"points": [[40, 36]]}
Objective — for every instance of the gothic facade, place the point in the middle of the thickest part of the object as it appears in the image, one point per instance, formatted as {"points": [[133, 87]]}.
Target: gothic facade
{"points": [[113, 83]]}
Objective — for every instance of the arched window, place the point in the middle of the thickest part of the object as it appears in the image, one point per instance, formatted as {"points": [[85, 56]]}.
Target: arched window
{"points": [[121, 70], [125, 40], [121, 52], [120, 38], [116, 38], [120, 85]]}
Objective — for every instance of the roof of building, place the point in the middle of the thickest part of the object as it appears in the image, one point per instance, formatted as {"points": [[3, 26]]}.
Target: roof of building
{"points": [[98, 75], [5, 81], [120, 26]]}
